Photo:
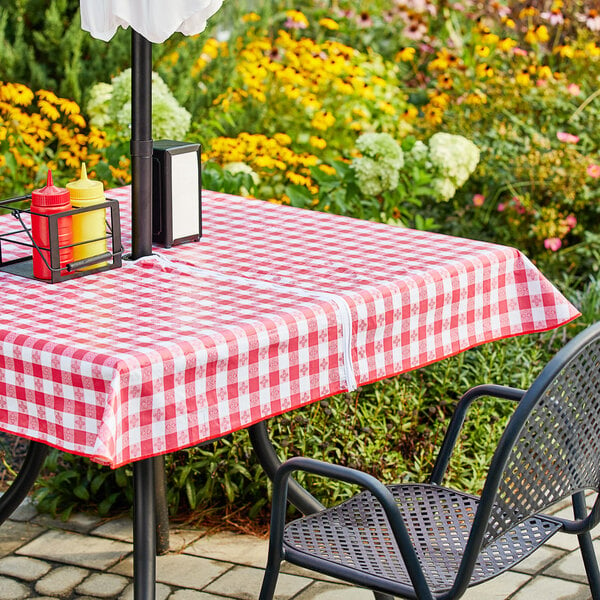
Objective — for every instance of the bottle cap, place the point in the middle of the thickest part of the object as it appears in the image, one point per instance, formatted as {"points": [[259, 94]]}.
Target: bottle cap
{"points": [[84, 188], [50, 195]]}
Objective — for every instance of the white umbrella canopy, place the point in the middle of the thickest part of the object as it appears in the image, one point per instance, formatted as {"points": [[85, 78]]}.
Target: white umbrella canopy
{"points": [[156, 20], [150, 21]]}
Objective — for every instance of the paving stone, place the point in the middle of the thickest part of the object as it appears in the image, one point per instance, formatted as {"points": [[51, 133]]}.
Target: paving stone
{"points": [[500, 588], [330, 591], [245, 582], [25, 511], [162, 592], [23, 567], [122, 529], [102, 585], [116, 529], [231, 547], [551, 589], [61, 581], [12, 590], [76, 549], [14, 534], [79, 522], [180, 570], [571, 566], [539, 560], [563, 541], [192, 595], [180, 539]]}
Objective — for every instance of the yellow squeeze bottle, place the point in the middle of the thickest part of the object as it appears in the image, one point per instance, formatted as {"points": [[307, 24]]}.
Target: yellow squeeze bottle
{"points": [[89, 225]]}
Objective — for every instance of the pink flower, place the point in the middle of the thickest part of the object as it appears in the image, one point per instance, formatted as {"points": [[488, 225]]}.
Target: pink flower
{"points": [[571, 221], [555, 17], [573, 89], [478, 199], [501, 207], [552, 244], [291, 24], [364, 20], [540, 83], [593, 170], [519, 52], [567, 138]]}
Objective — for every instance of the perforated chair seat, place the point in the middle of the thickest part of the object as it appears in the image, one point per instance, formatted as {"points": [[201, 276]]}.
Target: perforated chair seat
{"points": [[355, 536]]}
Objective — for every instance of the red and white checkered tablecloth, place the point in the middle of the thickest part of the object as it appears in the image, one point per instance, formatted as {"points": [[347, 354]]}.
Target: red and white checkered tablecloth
{"points": [[274, 308]]}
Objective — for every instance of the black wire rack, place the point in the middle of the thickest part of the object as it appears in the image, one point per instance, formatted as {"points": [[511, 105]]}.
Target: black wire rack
{"points": [[22, 266]]}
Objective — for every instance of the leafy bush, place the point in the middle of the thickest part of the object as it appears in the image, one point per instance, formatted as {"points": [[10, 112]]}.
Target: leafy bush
{"points": [[42, 45]]}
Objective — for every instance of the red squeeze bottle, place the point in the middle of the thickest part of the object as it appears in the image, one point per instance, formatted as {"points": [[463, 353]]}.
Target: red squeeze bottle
{"points": [[46, 201]]}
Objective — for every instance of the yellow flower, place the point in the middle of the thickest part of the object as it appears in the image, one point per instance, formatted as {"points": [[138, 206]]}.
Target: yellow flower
{"points": [[566, 51], [523, 78], [410, 113], [483, 51], [542, 34], [509, 23], [528, 11], [530, 36], [329, 24], [445, 81], [440, 100], [406, 54], [433, 114], [49, 110], [490, 38], [484, 70], [250, 17], [506, 44], [592, 50], [297, 17], [298, 179], [323, 120], [78, 120], [327, 169], [317, 142], [69, 107], [545, 72], [283, 138]]}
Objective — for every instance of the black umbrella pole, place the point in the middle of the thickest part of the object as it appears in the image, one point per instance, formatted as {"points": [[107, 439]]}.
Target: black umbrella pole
{"points": [[141, 145]]}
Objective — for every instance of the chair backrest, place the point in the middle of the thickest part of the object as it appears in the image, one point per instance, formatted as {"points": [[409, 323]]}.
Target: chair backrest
{"points": [[551, 446]]}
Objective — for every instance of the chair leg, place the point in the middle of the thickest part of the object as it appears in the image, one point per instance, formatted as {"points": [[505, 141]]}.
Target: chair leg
{"points": [[267, 589], [587, 549]]}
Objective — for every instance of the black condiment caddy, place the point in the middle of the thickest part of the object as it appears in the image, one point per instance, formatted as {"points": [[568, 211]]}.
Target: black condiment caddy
{"points": [[23, 265]]}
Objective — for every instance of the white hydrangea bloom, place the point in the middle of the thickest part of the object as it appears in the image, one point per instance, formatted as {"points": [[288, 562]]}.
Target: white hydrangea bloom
{"points": [[444, 188], [377, 171], [455, 156], [169, 119]]}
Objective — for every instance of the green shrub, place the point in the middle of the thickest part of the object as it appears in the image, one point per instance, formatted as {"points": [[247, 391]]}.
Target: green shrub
{"points": [[42, 45]]}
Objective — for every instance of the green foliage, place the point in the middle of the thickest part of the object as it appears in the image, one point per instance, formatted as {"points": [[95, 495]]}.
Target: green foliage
{"points": [[218, 179], [42, 44]]}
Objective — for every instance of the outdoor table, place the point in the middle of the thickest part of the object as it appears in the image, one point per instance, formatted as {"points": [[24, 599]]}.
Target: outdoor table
{"points": [[273, 309]]}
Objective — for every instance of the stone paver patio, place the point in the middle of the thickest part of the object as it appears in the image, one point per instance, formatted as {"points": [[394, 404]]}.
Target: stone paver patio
{"points": [[87, 559]]}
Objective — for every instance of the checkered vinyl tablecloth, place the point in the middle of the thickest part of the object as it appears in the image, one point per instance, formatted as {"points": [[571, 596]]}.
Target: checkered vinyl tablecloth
{"points": [[274, 308]]}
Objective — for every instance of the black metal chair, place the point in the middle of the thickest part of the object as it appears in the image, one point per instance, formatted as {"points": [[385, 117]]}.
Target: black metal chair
{"points": [[427, 541]]}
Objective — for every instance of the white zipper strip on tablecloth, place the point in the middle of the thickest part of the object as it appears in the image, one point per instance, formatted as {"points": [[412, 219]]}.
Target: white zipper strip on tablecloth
{"points": [[342, 305]]}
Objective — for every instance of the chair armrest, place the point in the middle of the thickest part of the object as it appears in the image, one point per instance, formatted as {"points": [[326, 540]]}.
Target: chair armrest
{"points": [[458, 419], [364, 480]]}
